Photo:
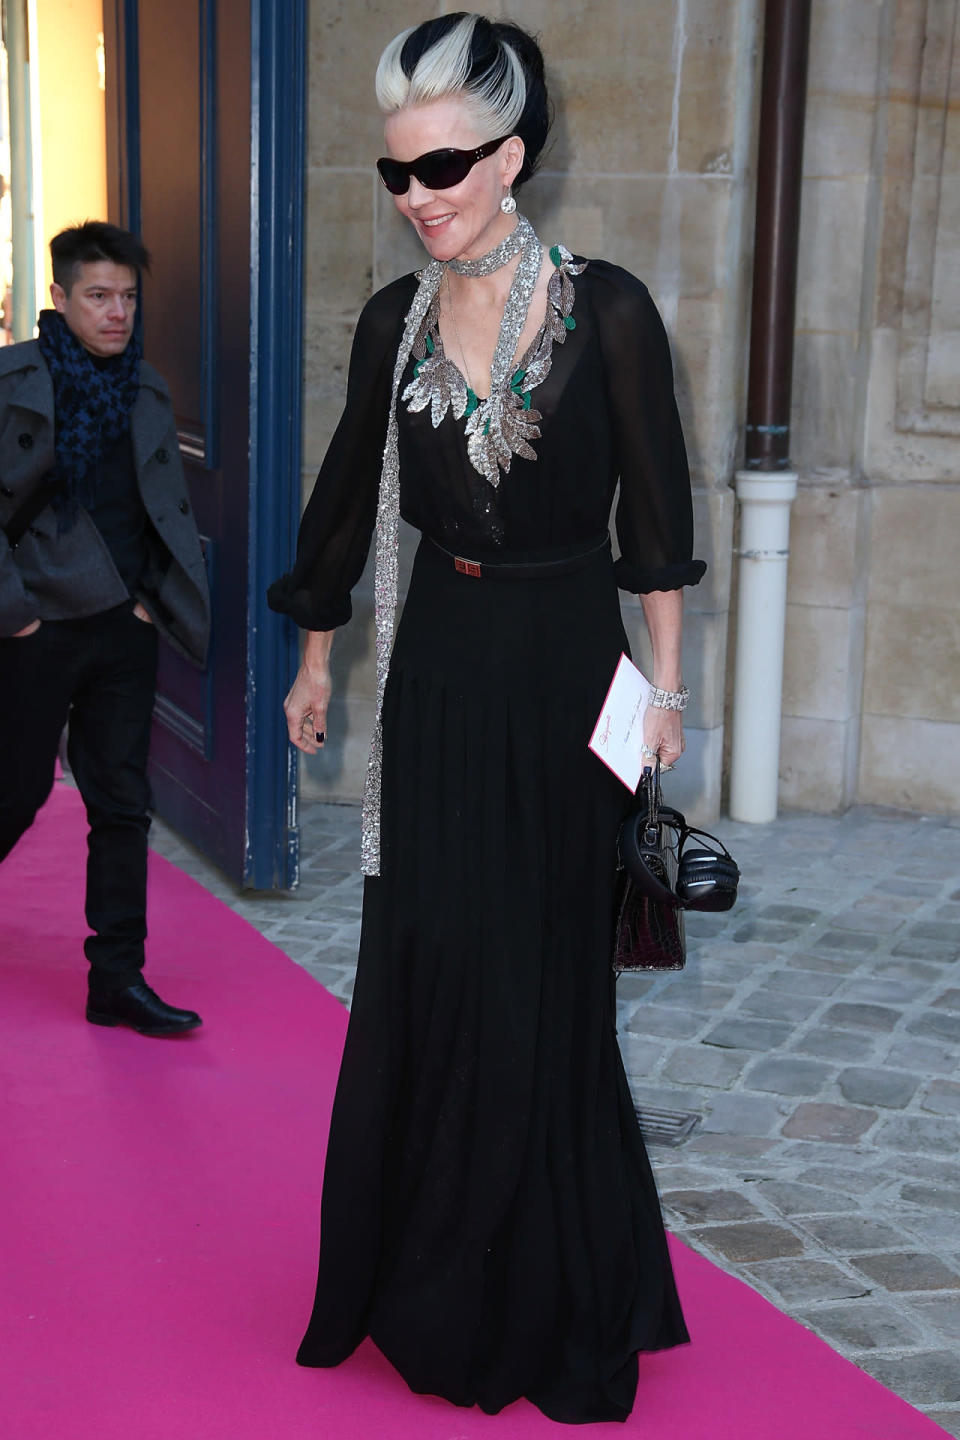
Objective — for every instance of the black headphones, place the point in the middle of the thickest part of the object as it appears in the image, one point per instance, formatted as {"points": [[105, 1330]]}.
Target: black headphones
{"points": [[705, 879]]}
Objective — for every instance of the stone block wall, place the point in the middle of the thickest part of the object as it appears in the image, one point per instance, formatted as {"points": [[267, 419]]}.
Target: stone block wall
{"points": [[872, 680]]}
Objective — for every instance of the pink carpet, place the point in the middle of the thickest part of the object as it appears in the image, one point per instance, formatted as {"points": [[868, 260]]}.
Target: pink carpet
{"points": [[158, 1212]]}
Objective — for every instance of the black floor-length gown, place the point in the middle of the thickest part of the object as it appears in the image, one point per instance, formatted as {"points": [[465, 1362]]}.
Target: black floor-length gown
{"points": [[489, 1215]]}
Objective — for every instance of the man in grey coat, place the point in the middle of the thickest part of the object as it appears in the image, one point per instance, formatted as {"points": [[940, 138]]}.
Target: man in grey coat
{"points": [[99, 555]]}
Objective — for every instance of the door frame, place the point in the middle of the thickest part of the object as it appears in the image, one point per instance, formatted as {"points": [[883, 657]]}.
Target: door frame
{"points": [[278, 67], [278, 125]]}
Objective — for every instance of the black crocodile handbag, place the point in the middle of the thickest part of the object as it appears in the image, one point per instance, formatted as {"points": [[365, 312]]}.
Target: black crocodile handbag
{"points": [[649, 932]]}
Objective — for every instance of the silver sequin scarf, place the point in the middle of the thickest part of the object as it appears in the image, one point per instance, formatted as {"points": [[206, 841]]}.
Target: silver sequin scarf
{"points": [[388, 507]]}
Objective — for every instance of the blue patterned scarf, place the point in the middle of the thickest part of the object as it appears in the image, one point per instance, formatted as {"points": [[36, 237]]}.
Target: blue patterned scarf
{"points": [[92, 402]]}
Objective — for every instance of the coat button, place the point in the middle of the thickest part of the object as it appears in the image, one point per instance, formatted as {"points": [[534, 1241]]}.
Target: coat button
{"points": [[6, 492], [25, 441], [184, 507], [162, 456]]}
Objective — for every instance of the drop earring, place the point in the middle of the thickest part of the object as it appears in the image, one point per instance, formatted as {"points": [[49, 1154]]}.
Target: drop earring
{"points": [[508, 204]]}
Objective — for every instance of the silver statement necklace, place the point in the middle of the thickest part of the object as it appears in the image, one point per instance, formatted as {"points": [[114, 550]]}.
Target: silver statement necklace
{"points": [[502, 425]]}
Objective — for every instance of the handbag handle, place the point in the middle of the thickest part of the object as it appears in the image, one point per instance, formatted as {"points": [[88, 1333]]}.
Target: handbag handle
{"points": [[655, 815]]}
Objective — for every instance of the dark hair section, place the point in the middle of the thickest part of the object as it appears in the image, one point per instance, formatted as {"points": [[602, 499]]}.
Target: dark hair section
{"points": [[95, 240], [487, 58]]}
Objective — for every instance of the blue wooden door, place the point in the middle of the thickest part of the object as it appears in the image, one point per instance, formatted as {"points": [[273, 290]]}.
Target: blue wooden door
{"points": [[206, 164]]}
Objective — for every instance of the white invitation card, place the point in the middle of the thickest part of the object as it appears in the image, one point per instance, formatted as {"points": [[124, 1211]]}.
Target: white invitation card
{"points": [[618, 734]]}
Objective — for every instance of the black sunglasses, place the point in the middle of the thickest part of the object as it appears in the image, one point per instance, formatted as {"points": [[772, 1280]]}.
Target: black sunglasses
{"points": [[437, 170]]}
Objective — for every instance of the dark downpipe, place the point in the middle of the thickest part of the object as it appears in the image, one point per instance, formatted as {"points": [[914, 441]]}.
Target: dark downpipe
{"points": [[786, 45], [767, 485]]}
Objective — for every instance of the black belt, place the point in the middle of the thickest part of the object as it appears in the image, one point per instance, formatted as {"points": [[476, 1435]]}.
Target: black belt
{"points": [[522, 570]]}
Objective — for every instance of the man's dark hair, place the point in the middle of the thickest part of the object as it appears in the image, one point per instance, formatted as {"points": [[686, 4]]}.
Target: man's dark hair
{"points": [[95, 240]]}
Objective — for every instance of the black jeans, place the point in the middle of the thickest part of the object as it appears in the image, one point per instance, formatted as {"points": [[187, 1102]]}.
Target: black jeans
{"points": [[100, 673]]}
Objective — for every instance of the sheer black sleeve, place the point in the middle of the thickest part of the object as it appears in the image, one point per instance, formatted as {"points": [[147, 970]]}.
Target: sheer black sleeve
{"points": [[654, 515], [337, 524]]}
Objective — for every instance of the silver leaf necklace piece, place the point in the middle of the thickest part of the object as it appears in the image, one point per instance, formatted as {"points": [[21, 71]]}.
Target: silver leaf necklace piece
{"points": [[503, 424]]}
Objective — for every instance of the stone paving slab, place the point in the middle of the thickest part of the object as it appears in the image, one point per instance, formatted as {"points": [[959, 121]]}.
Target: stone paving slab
{"points": [[815, 1032]]}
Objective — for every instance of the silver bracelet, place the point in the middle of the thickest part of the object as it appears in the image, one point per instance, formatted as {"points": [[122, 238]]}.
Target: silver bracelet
{"points": [[669, 699]]}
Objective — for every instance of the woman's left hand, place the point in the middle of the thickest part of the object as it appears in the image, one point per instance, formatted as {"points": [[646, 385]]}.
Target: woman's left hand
{"points": [[663, 733]]}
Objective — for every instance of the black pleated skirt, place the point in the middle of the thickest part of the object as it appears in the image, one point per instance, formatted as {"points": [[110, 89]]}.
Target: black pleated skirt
{"points": [[489, 1215]]}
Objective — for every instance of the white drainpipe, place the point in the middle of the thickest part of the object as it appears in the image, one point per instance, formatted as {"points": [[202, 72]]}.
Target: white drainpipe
{"points": [[765, 499]]}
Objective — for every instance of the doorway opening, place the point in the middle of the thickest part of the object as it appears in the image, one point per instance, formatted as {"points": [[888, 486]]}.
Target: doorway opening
{"points": [[185, 120], [53, 154]]}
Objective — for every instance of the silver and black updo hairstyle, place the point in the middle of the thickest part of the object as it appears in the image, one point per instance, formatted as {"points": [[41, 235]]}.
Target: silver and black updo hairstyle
{"points": [[494, 66]]}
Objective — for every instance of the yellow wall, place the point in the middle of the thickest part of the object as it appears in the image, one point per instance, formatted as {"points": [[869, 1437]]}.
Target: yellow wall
{"points": [[72, 115]]}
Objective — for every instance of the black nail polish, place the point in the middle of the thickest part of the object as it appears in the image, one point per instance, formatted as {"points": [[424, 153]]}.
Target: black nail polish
{"points": [[319, 734]]}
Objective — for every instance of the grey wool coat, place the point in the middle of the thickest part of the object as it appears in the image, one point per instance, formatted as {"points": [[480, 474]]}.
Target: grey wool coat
{"points": [[51, 576]]}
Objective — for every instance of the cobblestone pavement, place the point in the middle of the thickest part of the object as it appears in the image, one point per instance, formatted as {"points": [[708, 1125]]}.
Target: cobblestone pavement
{"points": [[815, 1034]]}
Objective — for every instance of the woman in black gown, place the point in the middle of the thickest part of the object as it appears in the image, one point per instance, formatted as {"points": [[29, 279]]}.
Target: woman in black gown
{"points": [[489, 1215]]}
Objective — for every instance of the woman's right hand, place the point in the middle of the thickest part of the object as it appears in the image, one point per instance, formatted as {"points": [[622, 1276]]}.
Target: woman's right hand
{"points": [[306, 705]]}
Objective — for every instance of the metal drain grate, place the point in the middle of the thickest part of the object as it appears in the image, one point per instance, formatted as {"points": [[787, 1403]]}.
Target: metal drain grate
{"points": [[667, 1127]]}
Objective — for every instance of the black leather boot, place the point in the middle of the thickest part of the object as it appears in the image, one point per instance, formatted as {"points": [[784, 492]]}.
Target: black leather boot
{"points": [[142, 1009]]}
